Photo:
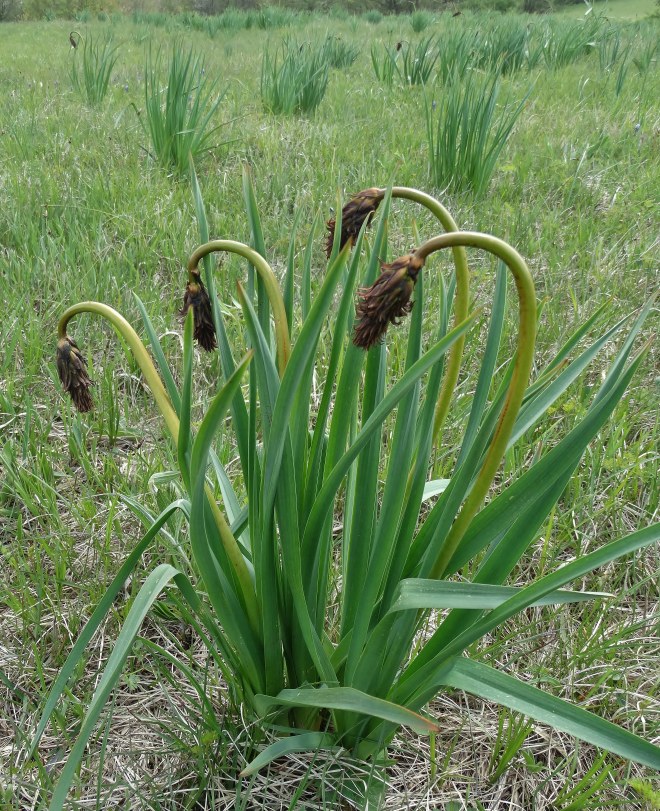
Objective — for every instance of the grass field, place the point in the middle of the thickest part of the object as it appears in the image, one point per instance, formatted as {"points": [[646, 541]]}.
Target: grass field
{"points": [[616, 9], [87, 213]]}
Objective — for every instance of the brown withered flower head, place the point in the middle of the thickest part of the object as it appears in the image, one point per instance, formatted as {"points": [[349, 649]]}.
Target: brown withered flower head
{"points": [[359, 208], [387, 300], [197, 298], [72, 369]]}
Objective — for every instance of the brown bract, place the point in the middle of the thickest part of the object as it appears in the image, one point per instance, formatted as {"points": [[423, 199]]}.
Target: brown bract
{"points": [[198, 299], [72, 369], [359, 208], [387, 300]]}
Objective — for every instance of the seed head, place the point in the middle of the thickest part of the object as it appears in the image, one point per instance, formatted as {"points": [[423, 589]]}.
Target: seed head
{"points": [[72, 369], [359, 208], [387, 300], [197, 298]]}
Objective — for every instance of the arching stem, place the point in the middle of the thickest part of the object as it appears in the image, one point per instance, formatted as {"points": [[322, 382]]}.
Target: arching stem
{"points": [[130, 336], [271, 285], [461, 300], [522, 368]]}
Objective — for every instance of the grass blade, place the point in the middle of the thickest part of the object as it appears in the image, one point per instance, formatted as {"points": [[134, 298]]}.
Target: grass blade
{"points": [[493, 685]]}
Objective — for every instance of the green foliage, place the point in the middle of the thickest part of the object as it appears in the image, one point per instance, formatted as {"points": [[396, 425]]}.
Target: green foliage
{"points": [[295, 78], [456, 49], [91, 78], [568, 41], [179, 117], [373, 17], [420, 20], [294, 652], [417, 61], [503, 47], [338, 53], [466, 132], [411, 64], [10, 10], [537, 6], [384, 62], [274, 17]]}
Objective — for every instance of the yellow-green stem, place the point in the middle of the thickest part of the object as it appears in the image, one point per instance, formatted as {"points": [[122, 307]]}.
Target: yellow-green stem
{"points": [[271, 284], [521, 372], [130, 336], [461, 300]]}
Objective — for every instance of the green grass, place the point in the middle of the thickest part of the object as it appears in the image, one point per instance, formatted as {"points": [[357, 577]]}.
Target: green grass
{"points": [[615, 9], [85, 213]]}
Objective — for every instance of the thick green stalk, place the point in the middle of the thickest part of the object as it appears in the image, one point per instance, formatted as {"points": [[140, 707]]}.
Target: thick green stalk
{"points": [[271, 285], [521, 372], [461, 300], [130, 336]]}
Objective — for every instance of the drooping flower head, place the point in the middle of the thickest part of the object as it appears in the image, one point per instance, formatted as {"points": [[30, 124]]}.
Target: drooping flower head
{"points": [[387, 300], [359, 208], [198, 299], [72, 369]]}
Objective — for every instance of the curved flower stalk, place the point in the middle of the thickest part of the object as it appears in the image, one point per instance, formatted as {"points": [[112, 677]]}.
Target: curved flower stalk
{"points": [[389, 298], [363, 206], [72, 370], [197, 299]]}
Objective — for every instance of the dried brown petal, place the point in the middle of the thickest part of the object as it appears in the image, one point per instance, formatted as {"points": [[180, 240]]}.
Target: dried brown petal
{"points": [[387, 300], [72, 369], [197, 298], [359, 208]]}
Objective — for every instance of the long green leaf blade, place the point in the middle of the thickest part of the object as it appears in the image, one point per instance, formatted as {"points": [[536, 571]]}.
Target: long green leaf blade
{"points": [[417, 593], [96, 619], [347, 699], [492, 685], [307, 742], [152, 587]]}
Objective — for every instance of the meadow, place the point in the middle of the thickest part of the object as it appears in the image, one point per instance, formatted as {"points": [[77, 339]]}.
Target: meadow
{"points": [[88, 211]]}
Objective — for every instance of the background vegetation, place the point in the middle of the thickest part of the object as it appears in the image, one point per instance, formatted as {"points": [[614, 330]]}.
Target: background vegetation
{"points": [[87, 212], [49, 9]]}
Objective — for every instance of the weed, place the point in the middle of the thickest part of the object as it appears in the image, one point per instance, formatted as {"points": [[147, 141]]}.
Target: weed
{"points": [[295, 79], [179, 118], [92, 77], [466, 133]]}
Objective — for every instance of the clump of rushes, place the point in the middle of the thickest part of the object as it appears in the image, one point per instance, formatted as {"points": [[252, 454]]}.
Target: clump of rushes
{"points": [[341, 664], [359, 209], [72, 369], [386, 300], [197, 299]]}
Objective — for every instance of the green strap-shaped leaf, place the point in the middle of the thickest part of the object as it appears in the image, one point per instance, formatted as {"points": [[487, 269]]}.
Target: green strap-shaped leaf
{"points": [[184, 440], [320, 436], [347, 699], [233, 609], [415, 679], [96, 619], [488, 363], [258, 243], [492, 685], [159, 355], [387, 404], [434, 488], [238, 410], [307, 742], [145, 598], [416, 593]]}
